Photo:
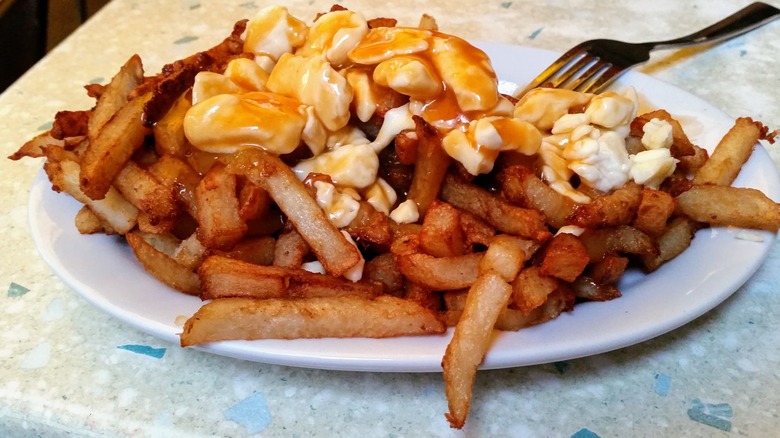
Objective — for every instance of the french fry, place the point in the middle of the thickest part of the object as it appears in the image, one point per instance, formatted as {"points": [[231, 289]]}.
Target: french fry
{"points": [[34, 147], [654, 211], [225, 277], [441, 234], [163, 267], [220, 224], [440, 273], [256, 250], [112, 148], [730, 154], [623, 239], [323, 317], [168, 132], [114, 95], [290, 250], [383, 270], [87, 222], [520, 186], [487, 297], [564, 257], [333, 250], [142, 190], [730, 206], [430, 167], [531, 288], [113, 208], [671, 243], [508, 218], [616, 208]]}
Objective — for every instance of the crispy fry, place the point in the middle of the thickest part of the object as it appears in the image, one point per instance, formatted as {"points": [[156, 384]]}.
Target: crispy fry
{"points": [[113, 208], [333, 250], [520, 186], [322, 317], [430, 167], [168, 132], [616, 208], [112, 148], [34, 147], [730, 206], [681, 145], [730, 154], [564, 257], [622, 239], [671, 243], [163, 267], [290, 250], [114, 96], [217, 211], [497, 212], [225, 277], [142, 190], [487, 297], [654, 211], [441, 234]]}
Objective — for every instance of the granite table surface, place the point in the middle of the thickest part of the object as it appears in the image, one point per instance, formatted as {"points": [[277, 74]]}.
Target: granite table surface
{"points": [[69, 369]]}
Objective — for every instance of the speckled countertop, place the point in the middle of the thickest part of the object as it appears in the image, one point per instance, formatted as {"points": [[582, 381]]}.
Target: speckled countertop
{"points": [[68, 369]]}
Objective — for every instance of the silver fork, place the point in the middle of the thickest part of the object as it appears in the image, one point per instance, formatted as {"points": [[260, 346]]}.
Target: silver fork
{"points": [[593, 65]]}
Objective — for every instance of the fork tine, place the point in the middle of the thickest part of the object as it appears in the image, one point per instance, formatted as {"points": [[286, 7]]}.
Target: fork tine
{"points": [[570, 70], [573, 54], [602, 79], [586, 75]]}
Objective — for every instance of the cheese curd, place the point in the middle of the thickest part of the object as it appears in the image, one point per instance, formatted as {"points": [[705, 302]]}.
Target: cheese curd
{"points": [[353, 166], [406, 212], [586, 137], [341, 206]]}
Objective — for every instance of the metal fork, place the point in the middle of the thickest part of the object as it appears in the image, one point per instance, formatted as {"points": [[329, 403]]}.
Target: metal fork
{"points": [[593, 65]]}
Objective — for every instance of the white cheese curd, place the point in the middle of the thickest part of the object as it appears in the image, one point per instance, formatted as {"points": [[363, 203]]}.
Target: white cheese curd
{"points": [[657, 134], [341, 207], [354, 273], [381, 196], [273, 32], [601, 162], [405, 213], [473, 159], [313, 267], [396, 120], [570, 229], [650, 168], [349, 166]]}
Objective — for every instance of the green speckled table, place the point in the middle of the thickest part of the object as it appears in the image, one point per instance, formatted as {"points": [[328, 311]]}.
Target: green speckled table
{"points": [[68, 369]]}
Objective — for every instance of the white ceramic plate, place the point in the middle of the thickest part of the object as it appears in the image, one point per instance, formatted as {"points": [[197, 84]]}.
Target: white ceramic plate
{"points": [[103, 270]]}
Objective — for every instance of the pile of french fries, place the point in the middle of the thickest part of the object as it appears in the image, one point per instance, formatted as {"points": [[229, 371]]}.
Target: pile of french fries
{"points": [[238, 229]]}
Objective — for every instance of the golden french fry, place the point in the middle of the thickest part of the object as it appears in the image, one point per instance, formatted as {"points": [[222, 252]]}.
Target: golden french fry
{"points": [[430, 167], [565, 257], [487, 297], [508, 218], [731, 153], [290, 250], [441, 234], [168, 132], [112, 148], [34, 147], [225, 277], [520, 186], [121, 215], [730, 206], [654, 211], [163, 267], [672, 242], [217, 210], [440, 273], [332, 249], [323, 317], [142, 190], [616, 208], [114, 95], [87, 222]]}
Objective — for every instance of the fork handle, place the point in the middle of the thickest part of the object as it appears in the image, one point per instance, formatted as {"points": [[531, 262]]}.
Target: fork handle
{"points": [[742, 21]]}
